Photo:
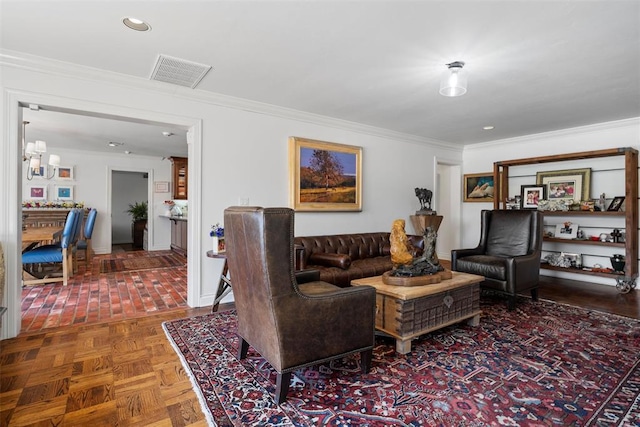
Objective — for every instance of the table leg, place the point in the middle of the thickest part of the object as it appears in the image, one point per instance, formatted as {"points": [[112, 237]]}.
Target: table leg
{"points": [[474, 321], [224, 287], [403, 346]]}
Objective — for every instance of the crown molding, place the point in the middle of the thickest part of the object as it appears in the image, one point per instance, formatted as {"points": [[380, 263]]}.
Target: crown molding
{"points": [[24, 61], [597, 127]]}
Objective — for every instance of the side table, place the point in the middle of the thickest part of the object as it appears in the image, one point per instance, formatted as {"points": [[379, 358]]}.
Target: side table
{"points": [[224, 286]]}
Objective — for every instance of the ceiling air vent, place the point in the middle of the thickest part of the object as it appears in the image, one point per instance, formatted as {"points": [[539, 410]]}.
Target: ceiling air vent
{"points": [[179, 71]]}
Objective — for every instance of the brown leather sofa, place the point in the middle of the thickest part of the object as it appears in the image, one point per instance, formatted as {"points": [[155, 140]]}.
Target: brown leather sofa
{"points": [[341, 258]]}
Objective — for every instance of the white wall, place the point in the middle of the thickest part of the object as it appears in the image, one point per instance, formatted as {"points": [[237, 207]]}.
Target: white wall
{"points": [[243, 154], [607, 177]]}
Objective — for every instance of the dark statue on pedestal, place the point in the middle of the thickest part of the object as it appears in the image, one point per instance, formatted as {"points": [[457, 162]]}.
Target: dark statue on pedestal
{"points": [[424, 197]]}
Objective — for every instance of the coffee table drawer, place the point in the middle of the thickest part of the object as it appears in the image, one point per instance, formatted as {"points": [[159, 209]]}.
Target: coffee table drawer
{"points": [[405, 318]]}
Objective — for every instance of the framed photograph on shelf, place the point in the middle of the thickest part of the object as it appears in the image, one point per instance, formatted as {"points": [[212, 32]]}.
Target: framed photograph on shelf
{"points": [[38, 192], [324, 176], [478, 187], [566, 230], [571, 184], [64, 172], [616, 204], [531, 195], [63, 192]]}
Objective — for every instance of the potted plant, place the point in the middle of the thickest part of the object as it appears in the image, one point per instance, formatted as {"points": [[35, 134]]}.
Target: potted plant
{"points": [[138, 212]]}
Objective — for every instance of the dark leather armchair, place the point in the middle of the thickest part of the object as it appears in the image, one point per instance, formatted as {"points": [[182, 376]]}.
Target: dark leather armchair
{"points": [[290, 324], [508, 255]]}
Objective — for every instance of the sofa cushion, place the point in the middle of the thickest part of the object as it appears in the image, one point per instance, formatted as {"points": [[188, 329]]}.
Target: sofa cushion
{"points": [[342, 261]]}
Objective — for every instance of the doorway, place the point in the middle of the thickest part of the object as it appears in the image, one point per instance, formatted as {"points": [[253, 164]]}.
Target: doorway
{"points": [[129, 197], [448, 196]]}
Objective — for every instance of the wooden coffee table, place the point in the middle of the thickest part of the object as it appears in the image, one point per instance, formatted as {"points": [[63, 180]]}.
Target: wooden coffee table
{"points": [[406, 312]]}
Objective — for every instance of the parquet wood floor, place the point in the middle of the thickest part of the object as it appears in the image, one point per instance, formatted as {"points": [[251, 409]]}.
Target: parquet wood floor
{"points": [[120, 373], [125, 372]]}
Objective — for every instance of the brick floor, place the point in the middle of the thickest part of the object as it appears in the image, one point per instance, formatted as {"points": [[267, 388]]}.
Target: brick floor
{"points": [[92, 297]]}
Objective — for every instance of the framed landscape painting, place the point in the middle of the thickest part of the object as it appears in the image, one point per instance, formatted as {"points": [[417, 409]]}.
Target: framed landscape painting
{"points": [[324, 176]]}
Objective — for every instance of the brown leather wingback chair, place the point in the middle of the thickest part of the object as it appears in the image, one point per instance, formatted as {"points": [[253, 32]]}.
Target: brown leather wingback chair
{"points": [[508, 255], [290, 324]]}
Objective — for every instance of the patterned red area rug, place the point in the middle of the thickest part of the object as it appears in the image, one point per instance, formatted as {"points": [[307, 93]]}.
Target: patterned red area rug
{"points": [[141, 263], [543, 364]]}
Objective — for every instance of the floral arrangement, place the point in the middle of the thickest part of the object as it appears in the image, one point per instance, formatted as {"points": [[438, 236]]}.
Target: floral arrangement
{"points": [[216, 230], [169, 203], [36, 204]]}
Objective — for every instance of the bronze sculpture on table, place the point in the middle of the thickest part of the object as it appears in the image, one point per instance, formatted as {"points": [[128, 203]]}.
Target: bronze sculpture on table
{"points": [[409, 270], [424, 197]]}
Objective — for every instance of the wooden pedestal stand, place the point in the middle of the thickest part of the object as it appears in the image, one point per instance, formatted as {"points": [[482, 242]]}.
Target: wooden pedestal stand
{"points": [[421, 222]]}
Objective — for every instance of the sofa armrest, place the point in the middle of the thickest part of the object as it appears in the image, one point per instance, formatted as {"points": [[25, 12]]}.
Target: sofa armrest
{"points": [[342, 261], [306, 276]]}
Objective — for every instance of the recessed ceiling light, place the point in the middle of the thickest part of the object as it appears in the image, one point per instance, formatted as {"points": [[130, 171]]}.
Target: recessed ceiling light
{"points": [[167, 134], [127, 152], [115, 144], [488, 128], [136, 24]]}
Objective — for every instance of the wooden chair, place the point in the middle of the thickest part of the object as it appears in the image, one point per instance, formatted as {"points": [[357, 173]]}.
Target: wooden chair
{"points": [[56, 253], [85, 243]]}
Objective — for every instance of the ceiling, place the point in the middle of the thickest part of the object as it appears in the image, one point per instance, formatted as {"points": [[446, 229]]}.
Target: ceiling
{"points": [[533, 66]]}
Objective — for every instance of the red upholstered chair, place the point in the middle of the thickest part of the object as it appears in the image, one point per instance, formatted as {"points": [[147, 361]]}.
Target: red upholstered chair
{"points": [[508, 254], [290, 324]]}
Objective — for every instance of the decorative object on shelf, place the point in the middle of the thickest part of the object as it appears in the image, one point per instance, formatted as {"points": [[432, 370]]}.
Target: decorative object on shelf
{"points": [[558, 260], [217, 236], [572, 184], [531, 195], [553, 205], [616, 204], [618, 262], [424, 197], [601, 202], [587, 205], [478, 187], [566, 230], [324, 176], [625, 284], [616, 234]]}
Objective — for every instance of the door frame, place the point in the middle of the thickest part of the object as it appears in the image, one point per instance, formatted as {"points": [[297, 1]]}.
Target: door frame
{"points": [[11, 181]]}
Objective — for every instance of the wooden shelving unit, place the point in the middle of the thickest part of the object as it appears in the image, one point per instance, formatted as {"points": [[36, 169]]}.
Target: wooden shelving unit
{"points": [[501, 180]]}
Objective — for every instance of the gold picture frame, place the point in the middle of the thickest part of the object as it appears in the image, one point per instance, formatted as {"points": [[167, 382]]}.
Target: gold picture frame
{"points": [[324, 176], [569, 184], [478, 187]]}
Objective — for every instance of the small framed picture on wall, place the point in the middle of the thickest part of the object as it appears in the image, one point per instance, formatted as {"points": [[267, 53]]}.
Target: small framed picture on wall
{"points": [[64, 172], [63, 192], [38, 192]]}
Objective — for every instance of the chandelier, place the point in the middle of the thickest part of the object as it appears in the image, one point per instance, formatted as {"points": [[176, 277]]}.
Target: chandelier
{"points": [[32, 152]]}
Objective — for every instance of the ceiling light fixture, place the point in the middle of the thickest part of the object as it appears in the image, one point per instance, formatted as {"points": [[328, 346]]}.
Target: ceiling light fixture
{"points": [[167, 134], [488, 127], [136, 24], [115, 144], [454, 80], [32, 152]]}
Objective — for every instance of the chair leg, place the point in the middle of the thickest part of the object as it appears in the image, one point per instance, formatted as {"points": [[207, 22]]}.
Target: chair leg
{"points": [[511, 302], [534, 294], [88, 252], [365, 360], [282, 386], [243, 348], [66, 261]]}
